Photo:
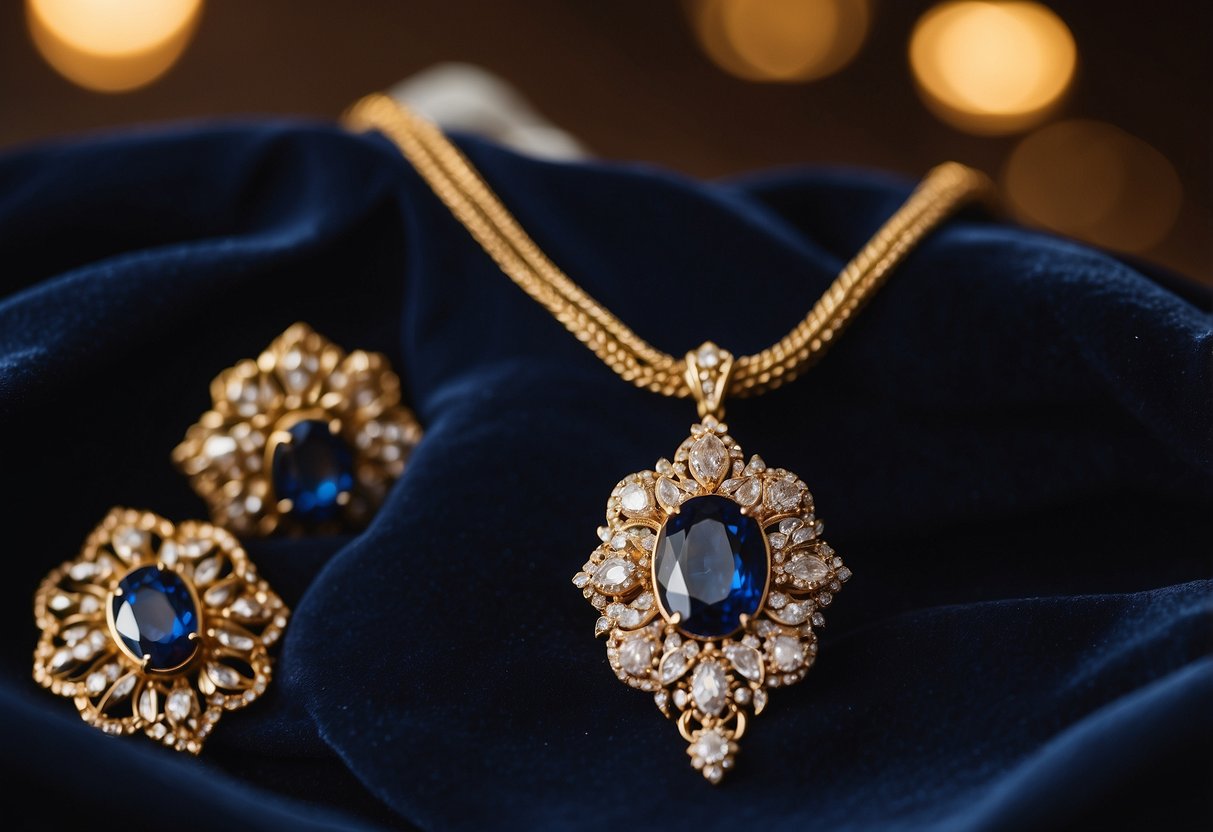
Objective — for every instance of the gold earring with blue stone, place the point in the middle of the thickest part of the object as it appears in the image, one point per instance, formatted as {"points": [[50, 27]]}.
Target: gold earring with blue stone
{"points": [[158, 628], [306, 438]]}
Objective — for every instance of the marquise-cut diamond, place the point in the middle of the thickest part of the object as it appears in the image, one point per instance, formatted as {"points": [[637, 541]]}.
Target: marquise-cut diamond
{"points": [[745, 660], [709, 459], [615, 575], [636, 655], [147, 704], [806, 568], [223, 676], [122, 688], [206, 570], [709, 688], [179, 705], [634, 497], [235, 640], [581, 579]]}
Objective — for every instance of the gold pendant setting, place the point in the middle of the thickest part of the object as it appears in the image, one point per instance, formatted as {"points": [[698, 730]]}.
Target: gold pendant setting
{"points": [[710, 580]]}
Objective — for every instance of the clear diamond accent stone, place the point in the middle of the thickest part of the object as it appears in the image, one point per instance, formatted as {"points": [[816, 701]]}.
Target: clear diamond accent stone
{"points": [[760, 700], [709, 688], [636, 655], [147, 704], [710, 746], [246, 607], [615, 575], [217, 596], [60, 602], [790, 525], [122, 688], [749, 492], [746, 660], [776, 600], [782, 495], [806, 568], [844, 574], [82, 571], [61, 659], [95, 683], [756, 465], [777, 540], [235, 640], [206, 570], [673, 665], [803, 536], [580, 580], [787, 653], [602, 625], [223, 676], [179, 705], [794, 613], [668, 494], [89, 604], [709, 459], [127, 541], [634, 497]]}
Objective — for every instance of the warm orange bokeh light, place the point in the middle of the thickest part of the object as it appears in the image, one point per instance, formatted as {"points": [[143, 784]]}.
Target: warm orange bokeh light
{"points": [[992, 67], [112, 45], [780, 40], [1093, 181]]}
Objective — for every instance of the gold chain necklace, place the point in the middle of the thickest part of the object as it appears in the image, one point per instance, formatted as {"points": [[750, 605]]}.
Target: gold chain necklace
{"points": [[712, 574]]}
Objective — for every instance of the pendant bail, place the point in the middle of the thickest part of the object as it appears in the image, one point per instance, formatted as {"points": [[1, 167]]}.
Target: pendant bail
{"points": [[707, 374]]}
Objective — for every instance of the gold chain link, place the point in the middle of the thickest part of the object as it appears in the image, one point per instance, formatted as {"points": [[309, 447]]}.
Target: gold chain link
{"points": [[452, 177]]}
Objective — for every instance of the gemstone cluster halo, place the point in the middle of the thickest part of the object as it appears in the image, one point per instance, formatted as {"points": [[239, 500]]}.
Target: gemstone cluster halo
{"points": [[710, 581], [305, 438], [157, 628]]}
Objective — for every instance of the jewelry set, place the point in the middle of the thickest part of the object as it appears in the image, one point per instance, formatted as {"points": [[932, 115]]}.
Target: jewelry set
{"points": [[709, 581]]}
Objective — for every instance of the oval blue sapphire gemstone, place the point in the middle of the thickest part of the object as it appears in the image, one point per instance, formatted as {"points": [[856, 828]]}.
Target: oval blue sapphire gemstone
{"points": [[155, 616], [711, 564], [313, 470]]}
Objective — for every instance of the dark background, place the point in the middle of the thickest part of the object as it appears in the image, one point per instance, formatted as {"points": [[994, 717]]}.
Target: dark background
{"points": [[628, 78]]}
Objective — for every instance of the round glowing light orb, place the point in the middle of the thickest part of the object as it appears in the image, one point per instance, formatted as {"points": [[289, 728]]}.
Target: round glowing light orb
{"points": [[112, 45], [1096, 182], [780, 40], [992, 67]]}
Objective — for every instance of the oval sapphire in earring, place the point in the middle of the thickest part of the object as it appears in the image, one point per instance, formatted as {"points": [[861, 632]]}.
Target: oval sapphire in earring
{"points": [[305, 438]]}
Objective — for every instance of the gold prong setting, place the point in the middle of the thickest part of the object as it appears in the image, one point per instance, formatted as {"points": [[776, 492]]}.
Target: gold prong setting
{"points": [[709, 685]]}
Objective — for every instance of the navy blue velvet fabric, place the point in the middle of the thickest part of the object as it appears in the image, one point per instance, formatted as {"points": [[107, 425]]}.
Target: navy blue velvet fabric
{"points": [[1011, 447]]}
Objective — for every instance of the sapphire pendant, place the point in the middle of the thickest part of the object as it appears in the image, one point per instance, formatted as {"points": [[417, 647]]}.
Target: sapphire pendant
{"points": [[710, 580]]}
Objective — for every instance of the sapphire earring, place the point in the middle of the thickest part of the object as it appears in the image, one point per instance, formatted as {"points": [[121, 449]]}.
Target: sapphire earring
{"points": [[157, 628], [306, 438]]}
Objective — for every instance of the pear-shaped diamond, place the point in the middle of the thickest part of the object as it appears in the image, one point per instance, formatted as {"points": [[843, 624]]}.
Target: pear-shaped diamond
{"points": [[749, 492], [709, 460], [673, 665], [745, 660], [668, 494], [782, 495]]}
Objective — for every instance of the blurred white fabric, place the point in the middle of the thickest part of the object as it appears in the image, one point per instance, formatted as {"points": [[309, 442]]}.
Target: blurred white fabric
{"points": [[467, 98]]}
